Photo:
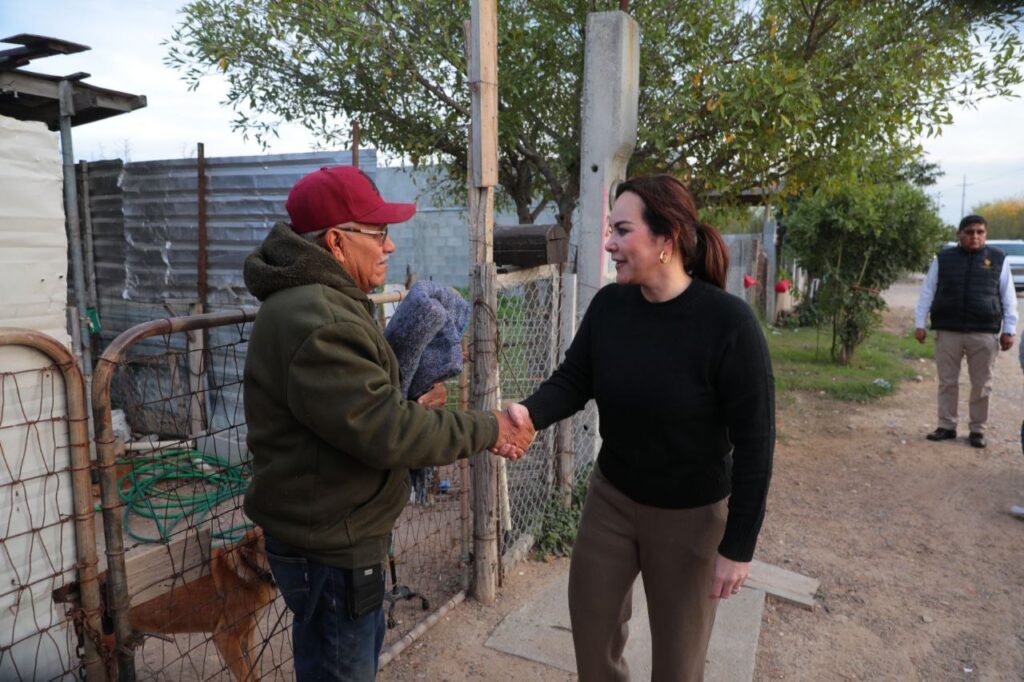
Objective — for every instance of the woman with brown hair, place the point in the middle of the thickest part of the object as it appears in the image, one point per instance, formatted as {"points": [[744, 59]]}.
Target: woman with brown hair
{"points": [[683, 383]]}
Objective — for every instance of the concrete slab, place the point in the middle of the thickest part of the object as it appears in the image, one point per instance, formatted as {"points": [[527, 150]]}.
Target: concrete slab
{"points": [[540, 631]]}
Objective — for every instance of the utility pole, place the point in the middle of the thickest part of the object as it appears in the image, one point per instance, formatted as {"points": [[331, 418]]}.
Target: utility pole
{"points": [[963, 196]]}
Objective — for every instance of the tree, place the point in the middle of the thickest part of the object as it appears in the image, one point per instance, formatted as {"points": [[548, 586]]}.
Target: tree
{"points": [[1005, 217], [857, 238], [734, 94]]}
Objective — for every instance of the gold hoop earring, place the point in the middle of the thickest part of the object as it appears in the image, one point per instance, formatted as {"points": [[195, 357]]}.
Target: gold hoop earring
{"points": [[664, 257]]}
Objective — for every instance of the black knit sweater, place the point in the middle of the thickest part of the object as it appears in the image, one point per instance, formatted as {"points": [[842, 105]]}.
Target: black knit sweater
{"points": [[686, 399]]}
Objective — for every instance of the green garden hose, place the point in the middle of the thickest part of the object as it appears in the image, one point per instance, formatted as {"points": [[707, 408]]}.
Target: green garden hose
{"points": [[177, 484]]}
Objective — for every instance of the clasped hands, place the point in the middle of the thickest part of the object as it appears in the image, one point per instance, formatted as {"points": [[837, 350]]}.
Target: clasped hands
{"points": [[515, 431], [515, 428]]}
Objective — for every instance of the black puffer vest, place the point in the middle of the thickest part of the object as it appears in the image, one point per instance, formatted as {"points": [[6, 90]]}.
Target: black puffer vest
{"points": [[967, 292]]}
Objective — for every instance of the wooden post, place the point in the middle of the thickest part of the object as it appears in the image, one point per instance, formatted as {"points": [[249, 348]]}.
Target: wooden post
{"points": [[355, 144], [482, 176], [196, 344], [483, 466], [563, 431], [466, 536], [483, 88]]}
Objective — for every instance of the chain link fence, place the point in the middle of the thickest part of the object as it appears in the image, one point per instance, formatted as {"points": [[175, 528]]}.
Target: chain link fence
{"points": [[528, 323]]}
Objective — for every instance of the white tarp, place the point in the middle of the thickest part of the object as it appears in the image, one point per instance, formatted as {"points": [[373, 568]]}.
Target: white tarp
{"points": [[33, 245], [36, 514]]}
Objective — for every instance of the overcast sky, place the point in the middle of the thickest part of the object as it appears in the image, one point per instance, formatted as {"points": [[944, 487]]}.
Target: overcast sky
{"points": [[985, 145]]}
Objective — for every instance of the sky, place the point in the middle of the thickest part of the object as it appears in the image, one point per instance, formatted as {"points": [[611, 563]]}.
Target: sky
{"points": [[981, 153]]}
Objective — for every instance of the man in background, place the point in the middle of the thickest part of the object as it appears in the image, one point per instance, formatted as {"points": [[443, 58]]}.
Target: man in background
{"points": [[969, 295]]}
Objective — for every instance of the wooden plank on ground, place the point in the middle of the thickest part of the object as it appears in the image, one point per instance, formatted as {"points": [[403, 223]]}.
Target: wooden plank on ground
{"points": [[155, 569], [788, 585]]}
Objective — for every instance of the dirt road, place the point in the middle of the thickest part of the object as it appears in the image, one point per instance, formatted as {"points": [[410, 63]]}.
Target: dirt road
{"points": [[921, 566], [919, 561]]}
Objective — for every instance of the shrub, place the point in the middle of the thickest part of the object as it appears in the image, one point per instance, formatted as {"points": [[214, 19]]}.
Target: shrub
{"points": [[560, 523], [857, 239]]}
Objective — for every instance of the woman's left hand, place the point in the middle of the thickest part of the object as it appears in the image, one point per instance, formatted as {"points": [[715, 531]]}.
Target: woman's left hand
{"points": [[729, 577], [435, 398]]}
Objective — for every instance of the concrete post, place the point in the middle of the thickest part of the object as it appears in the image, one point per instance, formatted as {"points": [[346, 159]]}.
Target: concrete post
{"points": [[768, 235], [611, 85]]}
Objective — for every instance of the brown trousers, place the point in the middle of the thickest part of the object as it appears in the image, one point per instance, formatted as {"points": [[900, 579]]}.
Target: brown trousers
{"points": [[981, 350], [674, 550]]}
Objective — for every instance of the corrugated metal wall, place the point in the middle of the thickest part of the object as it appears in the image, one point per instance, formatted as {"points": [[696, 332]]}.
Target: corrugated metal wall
{"points": [[36, 512], [145, 223]]}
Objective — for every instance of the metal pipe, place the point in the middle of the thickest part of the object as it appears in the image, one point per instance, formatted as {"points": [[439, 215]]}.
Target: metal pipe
{"points": [[201, 264], [91, 298], [81, 485], [417, 632], [151, 445], [388, 297], [67, 110]]}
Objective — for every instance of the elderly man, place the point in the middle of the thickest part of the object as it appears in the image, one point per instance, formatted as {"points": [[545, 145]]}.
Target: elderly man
{"points": [[331, 436], [970, 296]]}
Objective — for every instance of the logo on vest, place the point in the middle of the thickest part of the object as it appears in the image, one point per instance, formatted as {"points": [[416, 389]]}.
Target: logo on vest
{"points": [[986, 263]]}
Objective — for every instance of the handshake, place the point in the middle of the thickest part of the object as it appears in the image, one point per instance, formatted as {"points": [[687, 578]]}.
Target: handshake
{"points": [[515, 431]]}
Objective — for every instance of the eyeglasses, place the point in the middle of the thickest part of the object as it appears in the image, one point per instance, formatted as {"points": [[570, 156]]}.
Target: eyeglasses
{"points": [[972, 233], [381, 234]]}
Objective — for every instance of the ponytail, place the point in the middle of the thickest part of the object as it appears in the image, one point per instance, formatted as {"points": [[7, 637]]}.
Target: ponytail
{"points": [[711, 260]]}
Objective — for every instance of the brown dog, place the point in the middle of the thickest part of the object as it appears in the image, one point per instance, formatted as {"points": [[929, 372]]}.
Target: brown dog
{"points": [[225, 602]]}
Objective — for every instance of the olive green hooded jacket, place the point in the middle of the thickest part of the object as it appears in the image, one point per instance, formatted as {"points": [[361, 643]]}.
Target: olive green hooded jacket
{"points": [[331, 437]]}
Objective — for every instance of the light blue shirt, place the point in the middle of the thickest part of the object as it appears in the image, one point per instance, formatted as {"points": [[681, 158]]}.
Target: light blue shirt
{"points": [[1006, 293]]}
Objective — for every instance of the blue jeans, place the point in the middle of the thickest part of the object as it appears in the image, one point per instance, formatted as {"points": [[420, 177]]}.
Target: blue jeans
{"points": [[327, 643]]}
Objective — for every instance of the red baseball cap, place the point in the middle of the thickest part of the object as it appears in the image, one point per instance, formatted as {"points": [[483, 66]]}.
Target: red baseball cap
{"points": [[340, 194]]}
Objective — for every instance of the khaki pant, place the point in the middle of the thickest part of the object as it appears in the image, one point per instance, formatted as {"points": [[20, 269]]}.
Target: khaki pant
{"points": [[674, 550], [981, 349]]}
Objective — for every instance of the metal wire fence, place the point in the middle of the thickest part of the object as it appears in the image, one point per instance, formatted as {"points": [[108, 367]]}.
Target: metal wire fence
{"points": [[528, 314], [37, 553], [44, 454], [189, 586], [189, 592], [181, 475]]}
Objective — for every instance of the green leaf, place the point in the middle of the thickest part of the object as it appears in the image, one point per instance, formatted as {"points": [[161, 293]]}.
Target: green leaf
{"points": [[870, 77]]}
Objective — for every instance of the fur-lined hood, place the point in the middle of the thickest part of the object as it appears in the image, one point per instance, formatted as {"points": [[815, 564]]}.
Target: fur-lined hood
{"points": [[285, 260]]}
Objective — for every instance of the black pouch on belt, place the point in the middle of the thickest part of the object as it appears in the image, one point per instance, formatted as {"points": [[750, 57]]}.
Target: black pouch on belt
{"points": [[365, 590]]}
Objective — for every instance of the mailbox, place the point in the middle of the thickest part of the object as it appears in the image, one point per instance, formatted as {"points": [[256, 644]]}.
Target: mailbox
{"points": [[528, 246]]}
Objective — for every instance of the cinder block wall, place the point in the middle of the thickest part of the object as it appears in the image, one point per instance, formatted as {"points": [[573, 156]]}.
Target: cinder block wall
{"points": [[435, 243]]}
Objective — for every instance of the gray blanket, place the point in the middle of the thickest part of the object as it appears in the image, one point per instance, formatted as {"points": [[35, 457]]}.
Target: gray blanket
{"points": [[426, 332]]}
